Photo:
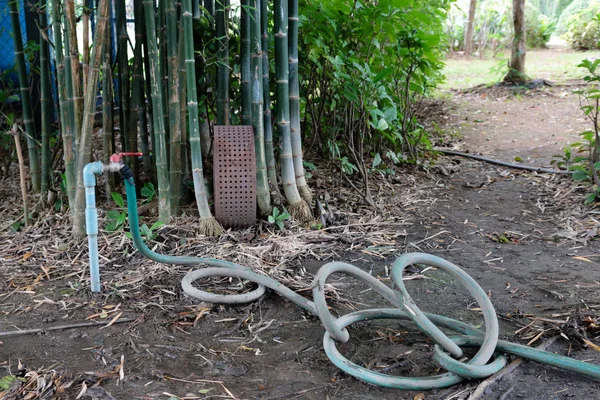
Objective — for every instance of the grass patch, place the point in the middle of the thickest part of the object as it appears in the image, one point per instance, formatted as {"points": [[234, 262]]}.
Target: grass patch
{"points": [[554, 65]]}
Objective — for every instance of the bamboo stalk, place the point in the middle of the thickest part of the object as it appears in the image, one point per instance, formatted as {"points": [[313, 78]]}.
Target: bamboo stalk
{"points": [[295, 103], [263, 194], [269, 150], [138, 79], [123, 79], [107, 120], [247, 108], [85, 144], [46, 111], [65, 125], [174, 109], [136, 101], [15, 133], [208, 225], [147, 96], [159, 144], [32, 146], [222, 17], [76, 79], [161, 34], [205, 138], [297, 207], [182, 100], [86, 44]]}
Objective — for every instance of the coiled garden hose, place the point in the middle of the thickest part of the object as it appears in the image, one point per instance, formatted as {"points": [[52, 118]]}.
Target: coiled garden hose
{"points": [[406, 309]]}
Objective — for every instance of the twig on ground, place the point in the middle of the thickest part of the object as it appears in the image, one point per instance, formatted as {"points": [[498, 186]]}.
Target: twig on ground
{"points": [[62, 327], [479, 392]]}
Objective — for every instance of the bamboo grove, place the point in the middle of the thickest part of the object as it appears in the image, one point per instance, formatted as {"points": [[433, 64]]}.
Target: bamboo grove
{"points": [[155, 78]]}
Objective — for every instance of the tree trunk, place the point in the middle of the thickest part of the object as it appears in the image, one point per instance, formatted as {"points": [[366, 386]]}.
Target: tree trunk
{"points": [[516, 72], [469, 30]]}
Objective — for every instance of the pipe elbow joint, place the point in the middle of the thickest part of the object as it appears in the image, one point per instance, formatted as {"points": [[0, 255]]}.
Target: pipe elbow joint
{"points": [[90, 171]]}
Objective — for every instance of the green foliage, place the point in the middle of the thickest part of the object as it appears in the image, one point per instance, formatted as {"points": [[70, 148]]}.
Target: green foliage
{"points": [[365, 65], [574, 8], [583, 157], [148, 233], [583, 28], [116, 217], [492, 26], [277, 218], [7, 381], [539, 27], [149, 192]]}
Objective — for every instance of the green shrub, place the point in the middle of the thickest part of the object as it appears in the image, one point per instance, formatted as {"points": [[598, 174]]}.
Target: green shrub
{"points": [[573, 8], [539, 27], [583, 28], [365, 65]]}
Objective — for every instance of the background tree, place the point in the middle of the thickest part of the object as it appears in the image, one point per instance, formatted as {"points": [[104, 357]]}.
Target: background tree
{"points": [[516, 72], [469, 30]]}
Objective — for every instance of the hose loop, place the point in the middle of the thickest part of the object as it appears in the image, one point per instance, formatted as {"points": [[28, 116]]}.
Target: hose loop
{"points": [[405, 309]]}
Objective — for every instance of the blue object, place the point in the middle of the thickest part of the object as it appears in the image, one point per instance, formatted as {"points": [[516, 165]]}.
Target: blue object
{"points": [[7, 45], [91, 220]]}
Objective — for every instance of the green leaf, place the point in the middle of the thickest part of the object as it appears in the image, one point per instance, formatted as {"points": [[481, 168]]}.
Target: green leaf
{"points": [[580, 176], [275, 212], [382, 125], [271, 219], [121, 219], [376, 160], [118, 199], [112, 226], [113, 214], [156, 225], [591, 197]]}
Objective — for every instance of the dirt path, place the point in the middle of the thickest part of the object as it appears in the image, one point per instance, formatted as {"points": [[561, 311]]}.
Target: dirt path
{"points": [[508, 229], [533, 127]]}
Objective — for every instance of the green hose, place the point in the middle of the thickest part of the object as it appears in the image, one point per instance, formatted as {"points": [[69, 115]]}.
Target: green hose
{"points": [[406, 309]]}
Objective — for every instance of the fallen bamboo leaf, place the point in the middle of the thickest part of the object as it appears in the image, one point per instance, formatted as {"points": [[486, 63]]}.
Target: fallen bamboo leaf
{"points": [[112, 321], [82, 392], [582, 259], [592, 345]]}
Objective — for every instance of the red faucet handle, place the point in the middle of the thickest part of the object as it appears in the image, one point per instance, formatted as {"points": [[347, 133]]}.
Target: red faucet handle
{"points": [[116, 158], [131, 154]]}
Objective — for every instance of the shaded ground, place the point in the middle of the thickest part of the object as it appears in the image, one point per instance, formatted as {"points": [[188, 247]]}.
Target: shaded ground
{"points": [[524, 237]]}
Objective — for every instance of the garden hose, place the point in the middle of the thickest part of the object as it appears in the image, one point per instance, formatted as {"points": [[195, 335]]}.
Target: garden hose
{"points": [[335, 329]]}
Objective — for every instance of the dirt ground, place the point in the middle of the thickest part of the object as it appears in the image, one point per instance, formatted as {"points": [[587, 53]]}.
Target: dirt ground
{"points": [[526, 239]]}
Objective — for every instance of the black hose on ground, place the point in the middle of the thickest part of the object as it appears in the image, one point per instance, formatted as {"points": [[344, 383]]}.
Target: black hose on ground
{"points": [[503, 163]]}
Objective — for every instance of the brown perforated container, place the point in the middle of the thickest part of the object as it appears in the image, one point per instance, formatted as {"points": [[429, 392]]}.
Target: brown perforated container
{"points": [[234, 167]]}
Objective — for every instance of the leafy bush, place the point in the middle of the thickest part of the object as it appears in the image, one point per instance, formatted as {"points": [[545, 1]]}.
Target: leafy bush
{"points": [[365, 65], [583, 158], [539, 27], [569, 11], [583, 28]]}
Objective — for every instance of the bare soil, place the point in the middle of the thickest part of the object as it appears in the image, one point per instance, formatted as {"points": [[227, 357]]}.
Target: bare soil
{"points": [[526, 239]]}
